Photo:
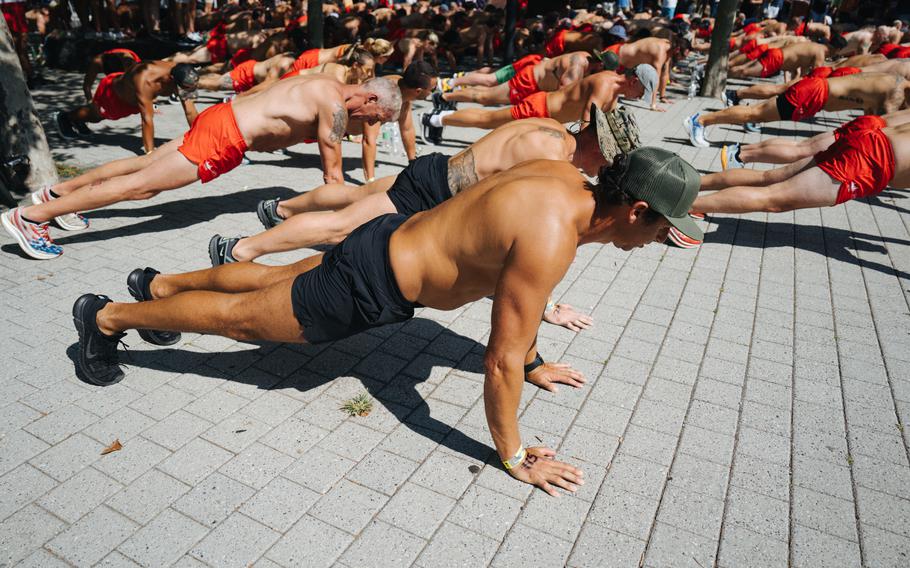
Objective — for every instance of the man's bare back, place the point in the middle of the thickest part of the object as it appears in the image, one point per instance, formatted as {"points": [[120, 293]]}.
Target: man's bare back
{"points": [[290, 112], [874, 93], [539, 205], [554, 73]]}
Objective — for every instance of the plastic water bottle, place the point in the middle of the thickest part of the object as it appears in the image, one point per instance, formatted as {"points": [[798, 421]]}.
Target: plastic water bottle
{"points": [[693, 87], [395, 143], [384, 144]]}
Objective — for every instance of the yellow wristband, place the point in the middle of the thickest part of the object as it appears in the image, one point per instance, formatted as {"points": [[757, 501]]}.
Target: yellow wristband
{"points": [[517, 459]]}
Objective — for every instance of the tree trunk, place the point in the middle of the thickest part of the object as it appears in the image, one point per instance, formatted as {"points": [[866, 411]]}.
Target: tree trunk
{"points": [[716, 70], [21, 133], [511, 18], [315, 23]]}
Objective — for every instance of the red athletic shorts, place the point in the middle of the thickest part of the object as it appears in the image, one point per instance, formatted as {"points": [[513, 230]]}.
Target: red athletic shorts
{"points": [[242, 76], [807, 97], [109, 104], [844, 71], [887, 48], [902, 53], [218, 48], [863, 161], [214, 142], [14, 14], [242, 54], [748, 46], [732, 43], [771, 62], [522, 85], [752, 28], [128, 52], [534, 106], [557, 44], [757, 51], [307, 60], [861, 124], [527, 60]]}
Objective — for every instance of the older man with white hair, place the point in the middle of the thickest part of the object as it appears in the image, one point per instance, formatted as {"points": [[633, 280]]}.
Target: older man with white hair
{"points": [[315, 107]]}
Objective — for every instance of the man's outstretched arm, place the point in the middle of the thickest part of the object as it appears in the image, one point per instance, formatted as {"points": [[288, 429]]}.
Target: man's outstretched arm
{"points": [[332, 125], [531, 271]]}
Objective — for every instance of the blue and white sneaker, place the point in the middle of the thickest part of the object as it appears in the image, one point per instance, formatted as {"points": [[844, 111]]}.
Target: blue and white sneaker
{"points": [[696, 131], [68, 222], [33, 238], [752, 127], [728, 157]]}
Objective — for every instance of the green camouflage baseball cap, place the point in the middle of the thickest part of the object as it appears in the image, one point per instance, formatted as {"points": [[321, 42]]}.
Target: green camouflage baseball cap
{"points": [[667, 183], [609, 59]]}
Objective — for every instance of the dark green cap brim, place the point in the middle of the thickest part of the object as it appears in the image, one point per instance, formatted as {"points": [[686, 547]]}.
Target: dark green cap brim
{"points": [[688, 227]]}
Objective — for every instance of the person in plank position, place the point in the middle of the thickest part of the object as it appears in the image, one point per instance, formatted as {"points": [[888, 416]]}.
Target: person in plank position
{"points": [[295, 110], [513, 235]]}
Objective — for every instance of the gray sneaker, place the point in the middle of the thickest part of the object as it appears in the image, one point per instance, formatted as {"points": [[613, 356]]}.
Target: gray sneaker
{"points": [[267, 211], [220, 249]]}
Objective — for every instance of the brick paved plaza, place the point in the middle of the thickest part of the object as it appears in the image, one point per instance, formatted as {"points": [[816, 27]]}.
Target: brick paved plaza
{"points": [[743, 407]]}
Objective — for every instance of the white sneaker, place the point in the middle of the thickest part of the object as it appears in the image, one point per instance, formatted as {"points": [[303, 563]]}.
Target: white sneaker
{"points": [[696, 131], [68, 222]]}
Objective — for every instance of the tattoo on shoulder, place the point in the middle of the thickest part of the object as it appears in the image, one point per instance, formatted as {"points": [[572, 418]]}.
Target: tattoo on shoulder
{"points": [[462, 173], [552, 132], [339, 124]]}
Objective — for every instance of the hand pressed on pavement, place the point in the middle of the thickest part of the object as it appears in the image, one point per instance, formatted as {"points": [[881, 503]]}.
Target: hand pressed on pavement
{"points": [[540, 469], [567, 316], [547, 375]]}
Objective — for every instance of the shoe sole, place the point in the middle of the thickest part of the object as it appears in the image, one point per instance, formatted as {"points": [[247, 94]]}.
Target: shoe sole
{"points": [[723, 158], [682, 242], [20, 240], [134, 287], [79, 323], [36, 200], [213, 251], [688, 125]]}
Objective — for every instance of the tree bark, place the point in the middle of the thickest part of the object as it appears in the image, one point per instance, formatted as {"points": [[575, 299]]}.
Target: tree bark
{"points": [[21, 132], [315, 23], [716, 70], [511, 19]]}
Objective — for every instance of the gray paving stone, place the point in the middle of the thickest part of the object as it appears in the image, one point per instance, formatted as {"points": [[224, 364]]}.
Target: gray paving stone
{"points": [[762, 476], [649, 444], [636, 475], [348, 506], [20, 487], [475, 509], [758, 513], [236, 432], [79, 494], [743, 547], [694, 512], [318, 469], [883, 548], [195, 461], [161, 402], [68, 457], [122, 425], [383, 545], [41, 558], [256, 465], [527, 546], [383, 471], [60, 424], [495, 478], [24, 531], [452, 545], [417, 510], [176, 430], [818, 549], [310, 542], [455, 479], [352, 440], [161, 542], [707, 445], [93, 537], [213, 499], [216, 405], [18, 447], [624, 512], [671, 547], [137, 456], [147, 496], [562, 517], [294, 437], [238, 541], [279, 504], [602, 548], [116, 560], [589, 445]]}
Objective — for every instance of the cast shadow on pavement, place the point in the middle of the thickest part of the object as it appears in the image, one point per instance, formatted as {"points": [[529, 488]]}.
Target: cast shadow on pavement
{"points": [[400, 393], [837, 244], [178, 214]]}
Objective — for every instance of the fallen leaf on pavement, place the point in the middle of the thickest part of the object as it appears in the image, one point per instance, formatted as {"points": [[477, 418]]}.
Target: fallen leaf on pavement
{"points": [[115, 446]]}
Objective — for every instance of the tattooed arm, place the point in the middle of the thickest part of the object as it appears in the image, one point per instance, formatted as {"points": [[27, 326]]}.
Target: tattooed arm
{"points": [[333, 122], [462, 174]]}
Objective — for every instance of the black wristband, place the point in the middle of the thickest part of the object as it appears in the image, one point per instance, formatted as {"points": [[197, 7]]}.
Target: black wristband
{"points": [[537, 362]]}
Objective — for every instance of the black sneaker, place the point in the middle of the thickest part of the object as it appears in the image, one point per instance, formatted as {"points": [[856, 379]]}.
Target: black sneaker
{"points": [[98, 362], [440, 103], [220, 249], [81, 128], [267, 211], [65, 127], [429, 133], [138, 283]]}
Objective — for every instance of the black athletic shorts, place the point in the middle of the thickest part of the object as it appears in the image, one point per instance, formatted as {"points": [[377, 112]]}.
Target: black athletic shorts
{"points": [[785, 108], [354, 288], [422, 185]]}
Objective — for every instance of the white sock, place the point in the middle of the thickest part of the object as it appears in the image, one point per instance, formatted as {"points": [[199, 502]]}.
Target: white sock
{"points": [[436, 119]]}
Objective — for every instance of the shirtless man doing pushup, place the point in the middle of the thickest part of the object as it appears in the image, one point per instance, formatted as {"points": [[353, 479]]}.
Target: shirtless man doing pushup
{"points": [[513, 235], [292, 111]]}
